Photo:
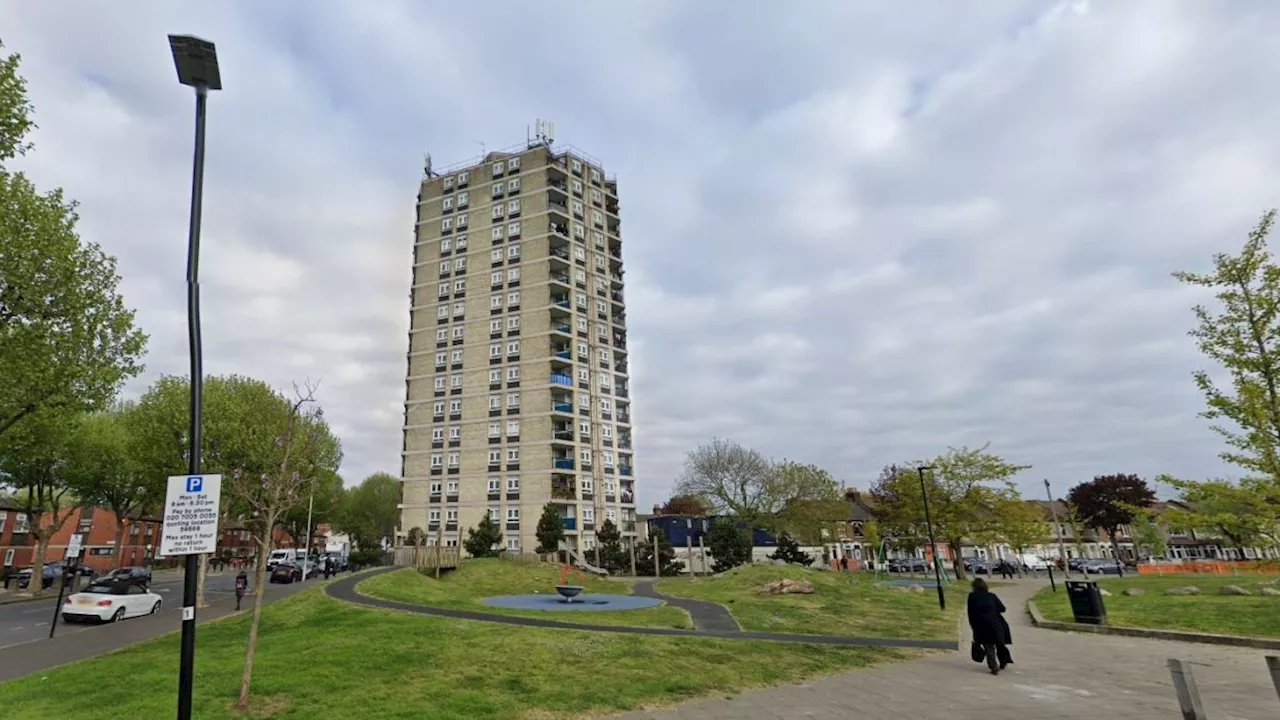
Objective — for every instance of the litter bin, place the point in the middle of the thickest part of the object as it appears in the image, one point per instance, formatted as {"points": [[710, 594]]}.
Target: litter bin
{"points": [[1086, 602]]}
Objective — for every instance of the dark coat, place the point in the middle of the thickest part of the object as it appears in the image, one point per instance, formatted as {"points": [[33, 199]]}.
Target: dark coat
{"points": [[986, 621]]}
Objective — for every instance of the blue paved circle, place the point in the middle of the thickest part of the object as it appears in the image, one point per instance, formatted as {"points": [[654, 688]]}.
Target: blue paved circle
{"points": [[586, 602]]}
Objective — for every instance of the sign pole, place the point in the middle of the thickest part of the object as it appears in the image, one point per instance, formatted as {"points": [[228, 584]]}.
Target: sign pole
{"points": [[72, 552]]}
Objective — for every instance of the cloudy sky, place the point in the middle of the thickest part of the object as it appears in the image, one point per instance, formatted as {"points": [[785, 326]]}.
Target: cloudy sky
{"points": [[856, 233]]}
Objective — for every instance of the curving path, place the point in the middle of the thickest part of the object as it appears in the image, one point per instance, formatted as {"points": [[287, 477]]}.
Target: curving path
{"points": [[345, 590], [705, 615]]}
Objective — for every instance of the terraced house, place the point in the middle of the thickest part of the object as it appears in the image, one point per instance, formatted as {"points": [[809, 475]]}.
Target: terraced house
{"points": [[518, 389]]}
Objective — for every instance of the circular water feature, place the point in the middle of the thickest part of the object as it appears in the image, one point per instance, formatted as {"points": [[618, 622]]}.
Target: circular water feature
{"points": [[582, 603]]}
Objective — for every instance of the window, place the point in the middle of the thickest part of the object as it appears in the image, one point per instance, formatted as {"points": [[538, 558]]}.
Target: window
{"points": [[447, 184], [460, 264], [577, 167], [463, 178], [497, 168], [595, 195], [513, 400], [513, 514], [436, 460], [455, 406], [582, 324], [513, 274], [597, 218], [580, 276], [513, 163], [577, 208], [585, 455], [605, 381], [496, 255], [495, 402], [513, 428], [603, 331], [495, 302], [462, 221], [446, 225], [433, 515], [446, 204], [606, 405], [584, 375], [588, 514], [458, 332], [496, 233], [495, 350], [495, 457], [513, 544], [513, 185], [606, 430], [446, 245], [595, 175], [513, 230], [579, 231], [513, 252], [577, 184], [462, 242], [442, 335], [599, 238], [437, 433], [495, 212], [442, 312], [599, 259], [495, 486], [495, 325], [435, 488], [513, 373], [582, 350], [459, 286], [438, 408], [494, 515], [443, 289], [455, 381], [440, 358], [579, 254], [513, 207], [495, 278], [587, 485], [495, 429], [608, 462], [459, 309], [581, 300], [451, 515], [513, 484], [455, 432], [497, 189], [513, 455], [495, 376], [513, 322], [444, 267], [457, 356], [513, 299], [513, 347], [462, 202], [584, 400], [439, 383]]}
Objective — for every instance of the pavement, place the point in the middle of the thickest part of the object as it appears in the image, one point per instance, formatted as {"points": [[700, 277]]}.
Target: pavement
{"points": [[705, 615], [1056, 676], [25, 647]]}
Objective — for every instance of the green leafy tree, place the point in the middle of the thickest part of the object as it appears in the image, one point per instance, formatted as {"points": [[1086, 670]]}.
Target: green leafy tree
{"points": [[482, 540], [609, 543], [33, 465], [734, 479], [1147, 535], [1245, 513], [965, 487], [1108, 502], [370, 511], [1020, 524], [668, 566], [789, 552], [550, 530], [871, 539], [321, 500], [803, 500], [684, 504], [67, 340], [729, 545]]}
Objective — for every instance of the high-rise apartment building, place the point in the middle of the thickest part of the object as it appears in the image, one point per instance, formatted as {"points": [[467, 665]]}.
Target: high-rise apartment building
{"points": [[517, 391]]}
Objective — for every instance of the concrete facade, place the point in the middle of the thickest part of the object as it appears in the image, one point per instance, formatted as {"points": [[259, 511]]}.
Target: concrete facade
{"points": [[518, 389]]}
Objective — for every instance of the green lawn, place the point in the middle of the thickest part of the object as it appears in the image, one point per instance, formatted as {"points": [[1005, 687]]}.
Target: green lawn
{"points": [[841, 603], [1256, 615], [319, 658], [463, 588]]}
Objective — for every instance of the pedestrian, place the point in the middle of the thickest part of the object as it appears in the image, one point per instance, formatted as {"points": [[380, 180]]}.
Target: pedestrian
{"points": [[242, 584], [844, 563], [1005, 573], [990, 630], [326, 568]]}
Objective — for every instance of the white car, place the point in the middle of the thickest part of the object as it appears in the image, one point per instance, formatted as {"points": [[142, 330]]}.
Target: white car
{"points": [[110, 602]]}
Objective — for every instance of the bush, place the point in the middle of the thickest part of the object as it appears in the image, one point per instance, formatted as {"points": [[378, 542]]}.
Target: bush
{"points": [[729, 545], [789, 552]]}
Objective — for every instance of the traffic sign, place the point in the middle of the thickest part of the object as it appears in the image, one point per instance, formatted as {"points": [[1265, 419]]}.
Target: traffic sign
{"points": [[74, 546], [191, 515]]}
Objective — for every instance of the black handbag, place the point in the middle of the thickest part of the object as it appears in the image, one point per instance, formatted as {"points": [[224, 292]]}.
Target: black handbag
{"points": [[977, 652]]}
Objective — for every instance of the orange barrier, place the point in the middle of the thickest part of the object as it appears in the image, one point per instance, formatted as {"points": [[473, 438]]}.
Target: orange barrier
{"points": [[1210, 567]]}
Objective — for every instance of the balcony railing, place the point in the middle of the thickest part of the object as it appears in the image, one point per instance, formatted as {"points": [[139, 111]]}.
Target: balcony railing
{"points": [[624, 444], [561, 380], [563, 463], [570, 523], [625, 470], [628, 526], [560, 277], [562, 492], [563, 354], [565, 407], [560, 253], [621, 392], [562, 327], [560, 303], [624, 418], [563, 435], [627, 497]]}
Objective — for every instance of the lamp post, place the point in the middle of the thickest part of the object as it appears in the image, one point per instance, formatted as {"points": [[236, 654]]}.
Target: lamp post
{"points": [[933, 546], [1057, 528], [196, 61]]}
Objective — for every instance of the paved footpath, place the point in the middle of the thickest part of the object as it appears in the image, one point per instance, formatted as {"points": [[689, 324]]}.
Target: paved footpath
{"points": [[1056, 676]]}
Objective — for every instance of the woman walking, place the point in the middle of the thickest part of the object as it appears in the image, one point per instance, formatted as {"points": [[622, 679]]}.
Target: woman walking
{"points": [[990, 631]]}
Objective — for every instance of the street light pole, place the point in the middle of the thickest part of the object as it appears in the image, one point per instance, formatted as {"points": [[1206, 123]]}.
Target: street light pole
{"points": [[196, 61], [306, 554], [1057, 528], [933, 546]]}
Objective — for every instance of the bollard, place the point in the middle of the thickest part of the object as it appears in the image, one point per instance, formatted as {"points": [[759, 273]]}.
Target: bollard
{"points": [[1184, 683], [1052, 583]]}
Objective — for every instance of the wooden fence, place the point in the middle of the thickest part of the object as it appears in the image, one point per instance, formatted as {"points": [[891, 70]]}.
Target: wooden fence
{"points": [[429, 558]]}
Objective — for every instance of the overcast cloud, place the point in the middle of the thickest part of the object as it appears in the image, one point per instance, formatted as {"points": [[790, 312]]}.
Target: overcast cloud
{"points": [[856, 232]]}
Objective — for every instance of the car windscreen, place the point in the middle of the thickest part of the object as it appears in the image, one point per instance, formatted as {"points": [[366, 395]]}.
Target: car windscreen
{"points": [[104, 590]]}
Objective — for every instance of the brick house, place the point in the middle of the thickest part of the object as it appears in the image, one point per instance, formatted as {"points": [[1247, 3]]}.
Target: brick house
{"points": [[97, 528]]}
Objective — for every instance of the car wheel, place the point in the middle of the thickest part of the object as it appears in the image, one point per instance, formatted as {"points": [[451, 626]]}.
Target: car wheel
{"points": [[155, 608], [118, 616]]}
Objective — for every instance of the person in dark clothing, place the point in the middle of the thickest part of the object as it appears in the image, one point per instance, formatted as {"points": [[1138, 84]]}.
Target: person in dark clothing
{"points": [[990, 630], [242, 584]]}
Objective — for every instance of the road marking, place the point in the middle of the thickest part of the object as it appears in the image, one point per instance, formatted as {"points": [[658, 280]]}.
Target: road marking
{"points": [[17, 628]]}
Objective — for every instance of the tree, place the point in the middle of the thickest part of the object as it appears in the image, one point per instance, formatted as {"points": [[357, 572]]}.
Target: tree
{"points": [[482, 540], [789, 552], [612, 556], [668, 566], [321, 500], [370, 511], [803, 500], [733, 478], [1240, 336], [1147, 535], [101, 464], [1020, 524], [871, 539], [729, 545], [291, 444], [33, 463], [1244, 513], [550, 529], [1075, 521], [965, 487], [1108, 502], [684, 504], [67, 340]]}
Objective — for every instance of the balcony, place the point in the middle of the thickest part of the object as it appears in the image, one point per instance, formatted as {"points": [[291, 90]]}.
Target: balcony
{"points": [[560, 277], [562, 327], [563, 433], [559, 229], [559, 301], [624, 443], [621, 391], [628, 498], [561, 351], [625, 470], [628, 526], [570, 523], [562, 491], [563, 407], [565, 380], [563, 463]]}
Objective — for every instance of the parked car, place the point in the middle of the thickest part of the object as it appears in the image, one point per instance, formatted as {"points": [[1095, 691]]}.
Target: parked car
{"points": [[131, 573], [1101, 567], [49, 573], [288, 572], [110, 601]]}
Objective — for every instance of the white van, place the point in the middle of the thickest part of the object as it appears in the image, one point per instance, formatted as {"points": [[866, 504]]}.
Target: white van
{"points": [[286, 555], [1034, 562]]}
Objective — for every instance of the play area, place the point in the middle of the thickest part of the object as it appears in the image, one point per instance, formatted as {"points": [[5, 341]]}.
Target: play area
{"points": [[569, 596]]}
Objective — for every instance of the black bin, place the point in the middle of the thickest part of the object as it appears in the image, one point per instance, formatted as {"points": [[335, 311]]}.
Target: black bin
{"points": [[1086, 602]]}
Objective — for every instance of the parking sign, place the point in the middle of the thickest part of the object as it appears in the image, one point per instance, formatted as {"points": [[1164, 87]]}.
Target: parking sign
{"points": [[191, 515]]}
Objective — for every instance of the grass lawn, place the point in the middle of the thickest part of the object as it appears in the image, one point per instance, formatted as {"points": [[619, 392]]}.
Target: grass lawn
{"points": [[462, 589], [841, 603], [319, 658], [1255, 615]]}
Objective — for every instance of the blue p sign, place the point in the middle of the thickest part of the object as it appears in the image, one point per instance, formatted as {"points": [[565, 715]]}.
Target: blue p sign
{"points": [[195, 484]]}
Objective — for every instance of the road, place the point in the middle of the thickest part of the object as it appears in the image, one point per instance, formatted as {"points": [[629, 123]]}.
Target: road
{"points": [[24, 622]]}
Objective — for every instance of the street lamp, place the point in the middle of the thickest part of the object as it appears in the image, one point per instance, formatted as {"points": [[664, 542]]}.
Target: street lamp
{"points": [[196, 61], [933, 546]]}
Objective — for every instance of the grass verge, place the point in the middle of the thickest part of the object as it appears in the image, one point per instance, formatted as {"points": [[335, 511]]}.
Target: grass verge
{"points": [[1210, 612], [320, 658], [463, 588], [841, 603]]}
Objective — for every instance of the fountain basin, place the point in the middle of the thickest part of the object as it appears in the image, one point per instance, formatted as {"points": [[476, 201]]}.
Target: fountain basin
{"points": [[569, 592]]}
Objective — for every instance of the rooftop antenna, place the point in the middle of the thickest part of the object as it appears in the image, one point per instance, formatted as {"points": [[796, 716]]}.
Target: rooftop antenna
{"points": [[544, 131], [482, 150], [427, 172]]}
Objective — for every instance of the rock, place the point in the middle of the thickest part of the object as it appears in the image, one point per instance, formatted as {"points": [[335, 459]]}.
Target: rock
{"points": [[1275, 581], [1135, 592], [1234, 590], [787, 587], [916, 588], [1271, 591], [1104, 592], [1187, 590]]}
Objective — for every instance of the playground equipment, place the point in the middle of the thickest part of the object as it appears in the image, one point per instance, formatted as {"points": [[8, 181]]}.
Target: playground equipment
{"points": [[569, 592], [571, 595], [579, 562]]}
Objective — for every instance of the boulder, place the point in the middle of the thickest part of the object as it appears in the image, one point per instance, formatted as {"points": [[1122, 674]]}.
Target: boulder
{"points": [[1135, 592], [1274, 581], [916, 588], [1186, 590], [1234, 590], [787, 587], [1271, 591]]}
